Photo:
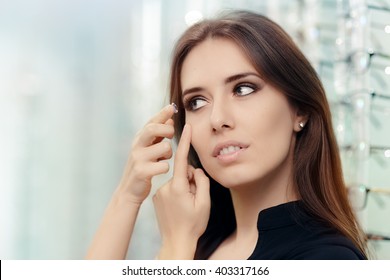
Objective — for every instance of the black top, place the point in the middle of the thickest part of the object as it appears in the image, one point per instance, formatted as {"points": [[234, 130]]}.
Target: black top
{"points": [[288, 232]]}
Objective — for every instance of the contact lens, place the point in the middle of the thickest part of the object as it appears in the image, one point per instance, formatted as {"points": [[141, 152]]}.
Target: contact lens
{"points": [[175, 108]]}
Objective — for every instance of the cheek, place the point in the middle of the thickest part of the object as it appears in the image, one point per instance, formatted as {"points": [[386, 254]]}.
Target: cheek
{"points": [[277, 117], [279, 125], [198, 133], [272, 129]]}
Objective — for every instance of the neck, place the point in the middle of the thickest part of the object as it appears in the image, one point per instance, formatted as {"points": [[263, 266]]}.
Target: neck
{"points": [[250, 200]]}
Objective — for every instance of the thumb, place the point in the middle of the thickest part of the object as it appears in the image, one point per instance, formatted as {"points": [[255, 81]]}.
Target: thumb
{"points": [[202, 183]]}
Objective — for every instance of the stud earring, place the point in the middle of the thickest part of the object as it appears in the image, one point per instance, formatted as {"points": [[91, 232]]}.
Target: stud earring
{"points": [[301, 125]]}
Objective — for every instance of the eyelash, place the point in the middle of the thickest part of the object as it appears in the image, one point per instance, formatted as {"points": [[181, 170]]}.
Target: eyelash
{"points": [[189, 103], [251, 86]]}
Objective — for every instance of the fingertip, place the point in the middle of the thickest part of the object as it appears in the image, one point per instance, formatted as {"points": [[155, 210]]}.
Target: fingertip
{"points": [[190, 167], [190, 172], [187, 135], [199, 173], [203, 186], [171, 109], [163, 115], [166, 167], [170, 122], [187, 129]]}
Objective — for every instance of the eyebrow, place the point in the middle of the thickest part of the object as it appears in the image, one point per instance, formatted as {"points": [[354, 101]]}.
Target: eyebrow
{"points": [[228, 80]]}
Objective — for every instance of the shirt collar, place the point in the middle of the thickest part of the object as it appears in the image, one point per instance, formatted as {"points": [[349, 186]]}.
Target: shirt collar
{"points": [[282, 215]]}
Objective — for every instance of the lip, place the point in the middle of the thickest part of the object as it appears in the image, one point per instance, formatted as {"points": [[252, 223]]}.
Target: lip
{"points": [[226, 144]]}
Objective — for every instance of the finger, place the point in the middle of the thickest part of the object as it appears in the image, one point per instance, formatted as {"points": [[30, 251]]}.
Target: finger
{"points": [[146, 171], [165, 114], [169, 122], [181, 162], [202, 186], [154, 133], [190, 178], [157, 168], [190, 172], [156, 152]]}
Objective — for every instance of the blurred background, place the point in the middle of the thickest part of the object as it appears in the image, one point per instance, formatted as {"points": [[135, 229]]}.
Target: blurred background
{"points": [[79, 78]]}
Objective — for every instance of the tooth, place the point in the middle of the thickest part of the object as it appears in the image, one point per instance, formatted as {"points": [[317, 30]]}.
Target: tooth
{"points": [[236, 148], [231, 149], [225, 150]]}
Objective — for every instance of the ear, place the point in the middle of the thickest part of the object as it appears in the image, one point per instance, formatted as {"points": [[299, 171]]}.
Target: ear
{"points": [[300, 121]]}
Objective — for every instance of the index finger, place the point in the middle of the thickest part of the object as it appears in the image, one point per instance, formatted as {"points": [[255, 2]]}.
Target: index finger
{"points": [[181, 162], [164, 115]]}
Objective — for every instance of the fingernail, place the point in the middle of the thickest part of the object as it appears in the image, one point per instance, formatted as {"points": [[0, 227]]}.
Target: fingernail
{"points": [[175, 108]]}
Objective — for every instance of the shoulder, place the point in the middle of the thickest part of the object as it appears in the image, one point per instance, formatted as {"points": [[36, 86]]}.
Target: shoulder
{"points": [[291, 233], [326, 244], [328, 252]]}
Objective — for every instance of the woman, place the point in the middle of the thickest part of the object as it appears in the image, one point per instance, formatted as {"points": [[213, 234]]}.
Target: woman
{"points": [[264, 179]]}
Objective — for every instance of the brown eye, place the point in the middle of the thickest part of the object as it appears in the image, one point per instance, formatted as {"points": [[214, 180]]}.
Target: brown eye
{"points": [[243, 90], [195, 104]]}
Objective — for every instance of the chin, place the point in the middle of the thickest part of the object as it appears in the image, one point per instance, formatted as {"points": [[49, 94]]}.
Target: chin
{"points": [[233, 182], [236, 176]]}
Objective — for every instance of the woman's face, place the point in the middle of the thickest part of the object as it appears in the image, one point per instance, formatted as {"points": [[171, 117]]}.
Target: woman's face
{"points": [[242, 128]]}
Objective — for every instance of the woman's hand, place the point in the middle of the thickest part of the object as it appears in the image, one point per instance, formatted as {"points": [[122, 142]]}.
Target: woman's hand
{"points": [[147, 152], [182, 205], [113, 236]]}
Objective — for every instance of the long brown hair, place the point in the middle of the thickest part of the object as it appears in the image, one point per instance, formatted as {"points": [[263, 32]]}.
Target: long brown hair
{"points": [[317, 171]]}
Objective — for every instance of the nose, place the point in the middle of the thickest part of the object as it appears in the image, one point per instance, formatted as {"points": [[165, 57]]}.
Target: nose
{"points": [[221, 117]]}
